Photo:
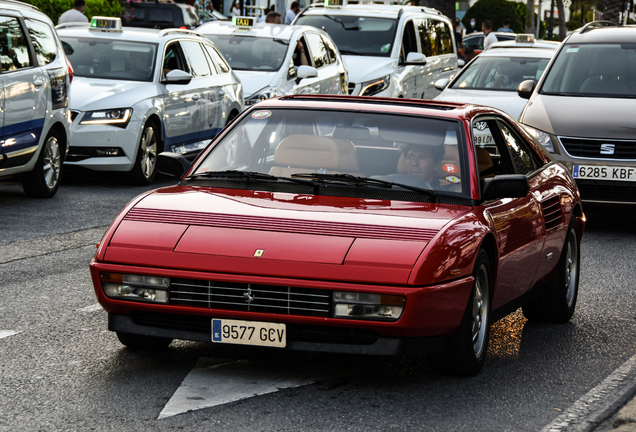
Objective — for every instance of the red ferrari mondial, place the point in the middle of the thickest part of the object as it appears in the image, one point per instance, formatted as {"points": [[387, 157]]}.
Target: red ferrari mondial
{"points": [[348, 225]]}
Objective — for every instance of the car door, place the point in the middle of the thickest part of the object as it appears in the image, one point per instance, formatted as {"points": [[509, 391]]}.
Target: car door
{"points": [[518, 224], [409, 75], [220, 96], [302, 57], [25, 90], [438, 46], [327, 72]]}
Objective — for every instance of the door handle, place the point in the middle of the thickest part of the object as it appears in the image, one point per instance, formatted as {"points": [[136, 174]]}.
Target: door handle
{"points": [[196, 97], [38, 82]]}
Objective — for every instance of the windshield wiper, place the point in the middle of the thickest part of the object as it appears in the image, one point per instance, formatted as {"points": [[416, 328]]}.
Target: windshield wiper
{"points": [[248, 175], [349, 52], [361, 181]]}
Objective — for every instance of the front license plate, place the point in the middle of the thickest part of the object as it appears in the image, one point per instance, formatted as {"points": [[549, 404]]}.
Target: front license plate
{"points": [[604, 172], [249, 333]]}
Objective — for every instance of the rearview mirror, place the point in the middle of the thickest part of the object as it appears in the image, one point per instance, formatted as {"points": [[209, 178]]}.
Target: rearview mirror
{"points": [[177, 76], [306, 72], [504, 186], [172, 164], [415, 58], [525, 88], [441, 84]]}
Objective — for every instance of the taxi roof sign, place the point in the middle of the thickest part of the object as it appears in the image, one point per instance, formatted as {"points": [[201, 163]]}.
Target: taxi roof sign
{"points": [[334, 3], [525, 37], [106, 23], [243, 22]]}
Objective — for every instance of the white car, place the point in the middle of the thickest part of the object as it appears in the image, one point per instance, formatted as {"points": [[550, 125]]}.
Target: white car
{"points": [[492, 77], [34, 86], [138, 92], [269, 58], [392, 51]]}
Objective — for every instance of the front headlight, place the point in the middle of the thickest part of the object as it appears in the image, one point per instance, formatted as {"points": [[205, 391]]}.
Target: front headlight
{"points": [[261, 95], [542, 137], [115, 117], [151, 289], [367, 306], [375, 86]]}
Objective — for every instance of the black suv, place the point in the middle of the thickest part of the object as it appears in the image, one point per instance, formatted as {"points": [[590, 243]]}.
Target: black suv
{"points": [[160, 15]]}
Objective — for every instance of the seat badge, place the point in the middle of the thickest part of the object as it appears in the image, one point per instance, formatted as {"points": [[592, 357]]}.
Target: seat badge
{"points": [[259, 253], [607, 149]]}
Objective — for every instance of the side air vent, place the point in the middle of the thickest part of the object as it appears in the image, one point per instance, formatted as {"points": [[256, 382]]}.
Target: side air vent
{"points": [[552, 213]]}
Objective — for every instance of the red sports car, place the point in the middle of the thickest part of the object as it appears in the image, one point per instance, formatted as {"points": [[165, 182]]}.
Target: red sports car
{"points": [[348, 225]]}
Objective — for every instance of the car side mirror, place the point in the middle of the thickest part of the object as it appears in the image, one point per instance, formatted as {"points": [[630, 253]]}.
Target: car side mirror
{"points": [[415, 58], [306, 72], [172, 164], [177, 76], [504, 186], [461, 63], [525, 88], [441, 84]]}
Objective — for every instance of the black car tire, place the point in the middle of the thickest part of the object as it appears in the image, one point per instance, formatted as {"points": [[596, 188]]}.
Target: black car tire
{"points": [[145, 167], [466, 351], [142, 342], [44, 180], [557, 300]]}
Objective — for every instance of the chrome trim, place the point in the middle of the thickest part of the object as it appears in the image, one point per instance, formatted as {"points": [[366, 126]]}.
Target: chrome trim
{"points": [[594, 139]]}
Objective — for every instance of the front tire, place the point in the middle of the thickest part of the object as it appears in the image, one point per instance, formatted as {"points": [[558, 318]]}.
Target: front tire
{"points": [[467, 348], [44, 180], [145, 167], [557, 301], [142, 342]]}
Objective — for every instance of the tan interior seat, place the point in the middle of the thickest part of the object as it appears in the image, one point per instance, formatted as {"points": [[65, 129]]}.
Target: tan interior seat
{"points": [[484, 162], [348, 156], [305, 154]]}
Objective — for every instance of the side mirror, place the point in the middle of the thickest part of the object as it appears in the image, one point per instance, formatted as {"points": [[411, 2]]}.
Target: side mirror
{"points": [[525, 88], [504, 186], [172, 164], [306, 72], [441, 84], [177, 76], [415, 58], [461, 63]]}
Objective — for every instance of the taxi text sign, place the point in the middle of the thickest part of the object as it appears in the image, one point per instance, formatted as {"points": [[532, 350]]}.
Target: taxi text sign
{"points": [[243, 21], [106, 23], [334, 3]]}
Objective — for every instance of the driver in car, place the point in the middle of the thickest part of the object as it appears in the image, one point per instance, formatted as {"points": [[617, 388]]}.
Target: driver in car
{"points": [[423, 161], [140, 65]]}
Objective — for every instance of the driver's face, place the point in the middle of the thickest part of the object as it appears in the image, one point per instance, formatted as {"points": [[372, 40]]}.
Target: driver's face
{"points": [[420, 164]]}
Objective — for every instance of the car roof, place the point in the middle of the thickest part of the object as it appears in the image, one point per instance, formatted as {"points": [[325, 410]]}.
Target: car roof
{"points": [[135, 34], [602, 31], [278, 31], [25, 9], [372, 10], [541, 44], [519, 51]]}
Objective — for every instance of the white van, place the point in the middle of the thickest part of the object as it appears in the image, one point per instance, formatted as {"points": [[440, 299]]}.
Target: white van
{"points": [[392, 51]]}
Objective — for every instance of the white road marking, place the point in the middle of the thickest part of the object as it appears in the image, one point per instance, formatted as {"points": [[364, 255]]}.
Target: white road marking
{"points": [[92, 308], [599, 403], [209, 386], [7, 333]]}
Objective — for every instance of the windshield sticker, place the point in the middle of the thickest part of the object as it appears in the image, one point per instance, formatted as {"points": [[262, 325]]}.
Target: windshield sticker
{"points": [[385, 48], [572, 49], [450, 168], [453, 179], [258, 115]]}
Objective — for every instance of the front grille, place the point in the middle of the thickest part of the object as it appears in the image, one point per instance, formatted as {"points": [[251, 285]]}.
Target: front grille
{"points": [[611, 191], [295, 332], [250, 297], [352, 87], [552, 213], [591, 148]]}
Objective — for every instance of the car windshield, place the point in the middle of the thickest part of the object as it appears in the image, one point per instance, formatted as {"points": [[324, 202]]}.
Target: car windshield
{"points": [[593, 70], [355, 35], [250, 53], [360, 150], [111, 59], [500, 73]]}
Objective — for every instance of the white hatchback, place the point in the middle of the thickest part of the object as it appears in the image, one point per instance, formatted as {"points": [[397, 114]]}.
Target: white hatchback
{"points": [[138, 92]]}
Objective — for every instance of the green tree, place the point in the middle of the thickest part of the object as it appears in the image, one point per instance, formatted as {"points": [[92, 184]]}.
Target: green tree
{"points": [[496, 11], [54, 8]]}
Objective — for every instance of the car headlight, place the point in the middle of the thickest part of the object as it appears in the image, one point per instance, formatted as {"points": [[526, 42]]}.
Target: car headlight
{"points": [[151, 289], [543, 138], [115, 117], [261, 95], [369, 88], [367, 306]]}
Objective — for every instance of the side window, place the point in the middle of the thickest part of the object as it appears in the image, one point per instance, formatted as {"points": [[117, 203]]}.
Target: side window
{"points": [[489, 160], [43, 41], [214, 68], [160, 16], [173, 60], [409, 41], [196, 58], [300, 56], [14, 50], [137, 15], [424, 30], [317, 50], [331, 50], [444, 38], [218, 59], [522, 158]]}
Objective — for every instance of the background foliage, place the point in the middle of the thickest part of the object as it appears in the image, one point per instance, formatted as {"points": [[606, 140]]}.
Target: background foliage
{"points": [[55, 8], [496, 11]]}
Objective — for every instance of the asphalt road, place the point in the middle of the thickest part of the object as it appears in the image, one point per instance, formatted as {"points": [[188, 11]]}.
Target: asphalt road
{"points": [[62, 370]]}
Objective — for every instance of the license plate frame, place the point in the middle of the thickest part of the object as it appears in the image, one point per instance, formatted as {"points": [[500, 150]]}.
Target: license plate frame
{"points": [[254, 333], [604, 172]]}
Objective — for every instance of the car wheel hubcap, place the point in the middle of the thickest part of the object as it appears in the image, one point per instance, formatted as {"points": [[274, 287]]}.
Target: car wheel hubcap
{"points": [[52, 163], [148, 151], [480, 312], [571, 268]]}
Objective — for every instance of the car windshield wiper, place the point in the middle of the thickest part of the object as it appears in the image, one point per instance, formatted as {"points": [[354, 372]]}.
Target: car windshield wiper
{"points": [[349, 52], [361, 181], [248, 175]]}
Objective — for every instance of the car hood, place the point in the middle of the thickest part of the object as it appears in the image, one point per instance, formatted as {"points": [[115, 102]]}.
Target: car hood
{"points": [[277, 234], [254, 81], [581, 116], [90, 93], [363, 68], [509, 102]]}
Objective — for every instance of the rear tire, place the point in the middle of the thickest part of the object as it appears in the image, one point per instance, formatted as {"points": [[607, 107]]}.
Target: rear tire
{"points": [[44, 180], [142, 342], [145, 167], [467, 348], [557, 301]]}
